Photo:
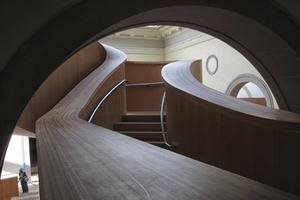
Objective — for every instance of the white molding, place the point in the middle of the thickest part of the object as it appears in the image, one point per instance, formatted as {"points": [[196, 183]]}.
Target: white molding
{"points": [[144, 51], [170, 31], [168, 39], [187, 43], [160, 33], [210, 71], [237, 83]]}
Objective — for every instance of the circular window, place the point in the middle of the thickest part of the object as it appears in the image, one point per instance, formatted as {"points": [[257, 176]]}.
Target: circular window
{"points": [[212, 64]]}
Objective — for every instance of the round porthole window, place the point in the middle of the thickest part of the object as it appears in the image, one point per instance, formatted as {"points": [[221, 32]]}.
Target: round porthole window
{"points": [[212, 64]]}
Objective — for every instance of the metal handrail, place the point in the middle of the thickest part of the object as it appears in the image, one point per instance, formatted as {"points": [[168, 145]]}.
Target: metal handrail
{"points": [[164, 133], [144, 84], [104, 98]]}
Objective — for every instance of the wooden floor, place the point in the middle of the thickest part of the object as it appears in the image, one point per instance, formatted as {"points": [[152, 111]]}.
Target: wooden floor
{"points": [[102, 164], [79, 160]]}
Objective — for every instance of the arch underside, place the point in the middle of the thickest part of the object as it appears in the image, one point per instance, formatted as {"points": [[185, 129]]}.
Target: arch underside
{"points": [[236, 84]]}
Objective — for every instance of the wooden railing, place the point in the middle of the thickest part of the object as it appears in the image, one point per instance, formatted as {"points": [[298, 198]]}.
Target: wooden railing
{"points": [[251, 140], [79, 160]]}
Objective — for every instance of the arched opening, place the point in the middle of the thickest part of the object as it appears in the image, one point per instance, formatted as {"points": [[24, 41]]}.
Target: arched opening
{"points": [[177, 49], [192, 16], [247, 86], [252, 93], [222, 67]]}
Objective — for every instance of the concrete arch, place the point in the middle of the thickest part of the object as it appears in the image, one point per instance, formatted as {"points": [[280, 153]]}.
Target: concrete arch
{"points": [[237, 83], [47, 37]]}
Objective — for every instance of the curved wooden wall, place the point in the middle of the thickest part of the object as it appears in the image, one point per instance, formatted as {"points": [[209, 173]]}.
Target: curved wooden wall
{"points": [[60, 82], [79, 160], [114, 106], [251, 140]]}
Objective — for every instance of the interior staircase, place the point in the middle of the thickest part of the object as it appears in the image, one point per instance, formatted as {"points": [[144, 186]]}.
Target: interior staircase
{"points": [[145, 126]]}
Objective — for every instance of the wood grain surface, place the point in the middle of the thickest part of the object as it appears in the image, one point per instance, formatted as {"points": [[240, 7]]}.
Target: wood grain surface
{"points": [[256, 100], [114, 107], [144, 98], [60, 82], [79, 160], [251, 140], [9, 188]]}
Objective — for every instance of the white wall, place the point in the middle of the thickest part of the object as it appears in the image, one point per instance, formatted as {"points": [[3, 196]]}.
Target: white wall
{"points": [[188, 44], [17, 156], [231, 62], [138, 49]]}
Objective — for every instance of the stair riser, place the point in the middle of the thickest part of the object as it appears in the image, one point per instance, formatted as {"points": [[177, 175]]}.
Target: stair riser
{"points": [[137, 127], [143, 118]]}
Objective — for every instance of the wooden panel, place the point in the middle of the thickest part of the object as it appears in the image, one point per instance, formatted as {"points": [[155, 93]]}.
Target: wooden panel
{"points": [[248, 148], [78, 160], [288, 158], [114, 107], [139, 72], [259, 101], [8, 188], [60, 82], [251, 140], [144, 98], [89, 58], [191, 127]]}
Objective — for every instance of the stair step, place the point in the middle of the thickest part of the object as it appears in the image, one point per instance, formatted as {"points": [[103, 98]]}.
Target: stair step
{"points": [[138, 126], [142, 118], [144, 135], [27, 196]]}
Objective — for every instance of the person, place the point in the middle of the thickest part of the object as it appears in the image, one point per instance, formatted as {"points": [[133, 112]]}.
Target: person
{"points": [[23, 179]]}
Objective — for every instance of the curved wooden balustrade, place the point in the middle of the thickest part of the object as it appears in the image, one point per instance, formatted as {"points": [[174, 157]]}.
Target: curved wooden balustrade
{"points": [[60, 83], [79, 160], [251, 140]]}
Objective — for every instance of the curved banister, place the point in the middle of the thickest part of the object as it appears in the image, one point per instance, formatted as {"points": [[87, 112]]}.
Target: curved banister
{"points": [[87, 88], [179, 75], [162, 124], [79, 160], [104, 99]]}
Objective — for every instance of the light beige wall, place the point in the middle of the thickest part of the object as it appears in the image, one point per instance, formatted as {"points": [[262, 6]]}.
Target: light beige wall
{"points": [[150, 50], [17, 156], [231, 62], [188, 44]]}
